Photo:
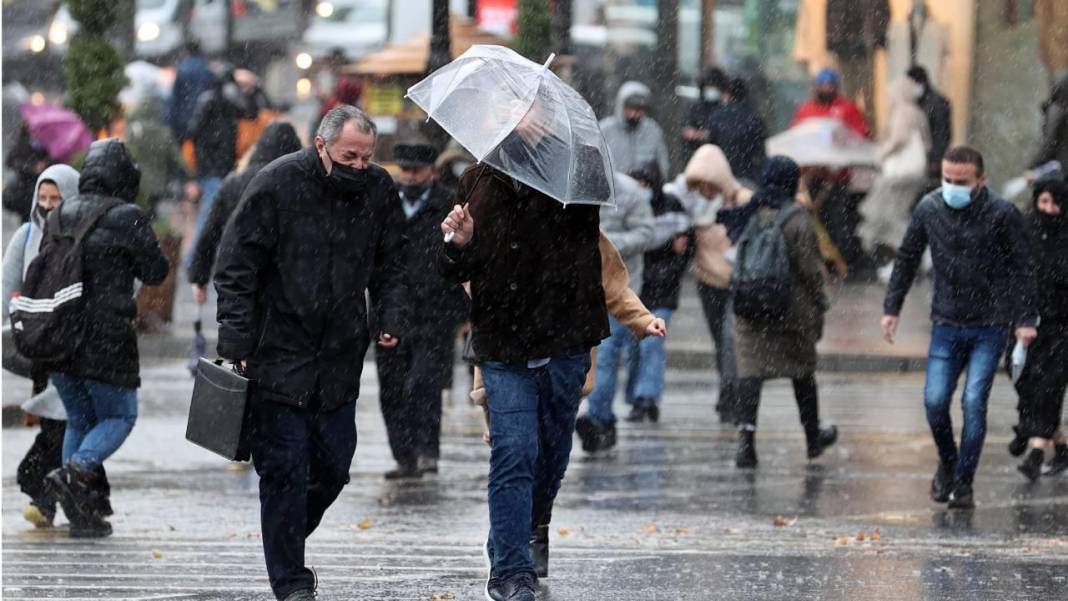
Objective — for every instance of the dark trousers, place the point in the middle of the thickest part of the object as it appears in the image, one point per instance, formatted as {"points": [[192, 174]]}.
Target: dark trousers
{"points": [[302, 457], [1043, 382], [45, 455], [715, 303], [805, 393], [411, 378]]}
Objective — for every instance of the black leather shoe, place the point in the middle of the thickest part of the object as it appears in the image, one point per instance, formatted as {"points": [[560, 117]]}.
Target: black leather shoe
{"points": [[517, 588], [1018, 444], [587, 433], [820, 440], [1031, 467], [539, 550], [746, 457], [607, 435], [942, 483], [637, 412], [961, 497]]}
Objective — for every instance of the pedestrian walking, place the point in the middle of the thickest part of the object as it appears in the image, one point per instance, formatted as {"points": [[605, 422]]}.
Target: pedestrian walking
{"points": [[213, 129], [634, 138], [939, 115], [712, 194], [99, 383], [712, 86], [313, 233], [412, 375], [983, 290], [738, 130], [278, 140], [662, 271], [903, 173], [779, 319], [192, 77], [1044, 379], [1053, 145], [630, 228], [45, 409]]}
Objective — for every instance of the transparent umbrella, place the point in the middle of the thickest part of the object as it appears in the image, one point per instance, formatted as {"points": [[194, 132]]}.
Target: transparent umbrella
{"points": [[521, 119]]}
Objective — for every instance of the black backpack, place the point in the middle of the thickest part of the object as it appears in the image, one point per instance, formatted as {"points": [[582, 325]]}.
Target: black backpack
{"points": [[47, 315], [762, 282]]}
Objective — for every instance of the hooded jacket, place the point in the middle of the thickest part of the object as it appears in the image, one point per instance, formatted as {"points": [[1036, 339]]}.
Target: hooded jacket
{"points": [[982, 263], [1049, 251], [278, 140], [26, 242], [630, 149], [296, 261], [711, 235], [630, 226], [121, 248]]}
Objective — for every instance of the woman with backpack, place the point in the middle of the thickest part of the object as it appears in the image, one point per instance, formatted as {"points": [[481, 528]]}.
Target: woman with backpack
{"points": [[44, 408], [778, 260]]}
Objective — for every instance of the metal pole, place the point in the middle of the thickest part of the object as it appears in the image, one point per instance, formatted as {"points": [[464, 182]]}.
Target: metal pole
{"points": [[665, 76], [440, 42], [562, 16]]}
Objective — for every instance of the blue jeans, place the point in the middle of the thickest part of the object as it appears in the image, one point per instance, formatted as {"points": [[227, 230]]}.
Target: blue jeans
{"points": [[609, 355], [99, 418], [646, 361], [532, 420], [209, 187], [953, 350], [303, 458]]}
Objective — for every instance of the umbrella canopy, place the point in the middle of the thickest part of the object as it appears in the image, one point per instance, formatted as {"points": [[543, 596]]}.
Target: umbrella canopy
{"points": [[824, 143], [57, 129], [520, 118]]}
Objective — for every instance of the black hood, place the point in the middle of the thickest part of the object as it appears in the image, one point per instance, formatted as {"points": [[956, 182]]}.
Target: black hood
{"points": [[278, 139], [110, 171], [779, 183]]}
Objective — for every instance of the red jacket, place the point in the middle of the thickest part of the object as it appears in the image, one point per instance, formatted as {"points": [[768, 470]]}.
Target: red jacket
{"points": [[841, 108]]}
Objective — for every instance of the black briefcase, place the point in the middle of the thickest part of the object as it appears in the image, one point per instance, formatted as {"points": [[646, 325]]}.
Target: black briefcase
{"points": [[218, 414]]}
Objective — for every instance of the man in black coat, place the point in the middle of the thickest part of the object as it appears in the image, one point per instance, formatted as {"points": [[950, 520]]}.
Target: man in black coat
{"points": [[413, 374], [314, 232], [278, 139], [99, 384], [939, 120]]}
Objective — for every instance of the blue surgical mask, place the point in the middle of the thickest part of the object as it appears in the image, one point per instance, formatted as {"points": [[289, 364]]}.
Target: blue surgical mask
{"points": [[956, 197]]}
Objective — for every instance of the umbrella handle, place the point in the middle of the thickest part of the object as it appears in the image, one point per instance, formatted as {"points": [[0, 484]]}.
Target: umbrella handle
{"points": [[449, 236]]}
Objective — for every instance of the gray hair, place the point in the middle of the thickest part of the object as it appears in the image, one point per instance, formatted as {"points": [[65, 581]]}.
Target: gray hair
{"points": [[334, 121]]}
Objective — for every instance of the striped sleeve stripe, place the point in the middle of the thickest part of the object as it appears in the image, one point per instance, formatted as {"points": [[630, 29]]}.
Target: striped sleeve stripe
{"points": [[47, 305]]}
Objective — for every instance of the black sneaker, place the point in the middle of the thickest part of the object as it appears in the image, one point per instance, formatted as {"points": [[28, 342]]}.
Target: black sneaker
{"points": [[404, 471], [1059, 463], [1031, 467], [1018, 444], [746, 456], [637, 411], [942, 483], [539, 550], [961, 497], [91, 527], [493, 584], [652, 411], [607, 435], [587, 433], [303, 594], [820, 440], [517, 588], [77, 491]]}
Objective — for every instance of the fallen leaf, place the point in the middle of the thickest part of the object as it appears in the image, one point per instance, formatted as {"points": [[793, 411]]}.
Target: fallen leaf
{"points": [[861, 536], [683, 531], [875, 535], [781, 522], [563, 532], [841, 541], [442, 597], [364, 525], [157, 554], [650, 528]]}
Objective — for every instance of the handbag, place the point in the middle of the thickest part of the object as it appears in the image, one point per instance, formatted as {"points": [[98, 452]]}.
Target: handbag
{"points": [[219, 410]]}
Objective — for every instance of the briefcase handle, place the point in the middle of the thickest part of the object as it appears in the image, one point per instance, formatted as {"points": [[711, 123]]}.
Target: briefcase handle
{"points": [[235, 367]]}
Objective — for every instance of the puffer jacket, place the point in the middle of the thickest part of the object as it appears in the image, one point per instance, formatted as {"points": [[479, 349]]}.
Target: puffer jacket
{"points": [[630, 226]]}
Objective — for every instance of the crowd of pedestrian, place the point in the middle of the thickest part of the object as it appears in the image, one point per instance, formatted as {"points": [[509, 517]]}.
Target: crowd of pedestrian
{"points": [[554, 299]]}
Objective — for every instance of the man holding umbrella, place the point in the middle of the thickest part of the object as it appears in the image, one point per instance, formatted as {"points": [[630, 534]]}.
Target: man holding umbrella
{"points": [[538, 305]]}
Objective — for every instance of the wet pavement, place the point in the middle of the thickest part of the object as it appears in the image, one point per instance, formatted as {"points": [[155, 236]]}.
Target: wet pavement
{"points": [[665, 516]]}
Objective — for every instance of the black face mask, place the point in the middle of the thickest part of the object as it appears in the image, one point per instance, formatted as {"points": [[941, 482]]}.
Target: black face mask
{"points": [[1052, 223], [633, 122], [826, 97], [413, 192], [42, 212], [346, 179]]}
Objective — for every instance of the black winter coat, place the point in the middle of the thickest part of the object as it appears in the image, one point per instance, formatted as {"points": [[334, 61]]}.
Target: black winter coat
{"points": [[213, 129], [940, 122], [120, 248], [982, 270], [435, 306], [278, 139], [295, 263], [740, 132], [534, 267], [1049, 245], [664, 267]]}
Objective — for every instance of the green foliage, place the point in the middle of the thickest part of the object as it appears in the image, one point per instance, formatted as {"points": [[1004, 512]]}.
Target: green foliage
{"points": [[534, 36], [95, 16], [93, 70]]}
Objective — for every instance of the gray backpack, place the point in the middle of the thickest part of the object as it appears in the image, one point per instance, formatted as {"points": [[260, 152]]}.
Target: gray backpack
{"points": [[762, 282]]}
